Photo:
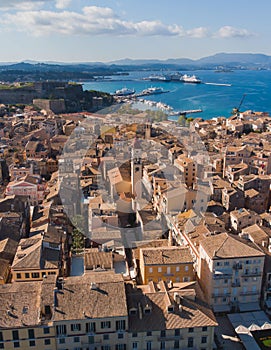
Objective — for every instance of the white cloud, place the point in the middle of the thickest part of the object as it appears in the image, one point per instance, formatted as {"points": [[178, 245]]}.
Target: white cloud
{"points": [[62, 4], [95, 20], [22, 5], [232, 32], [200, 32]]}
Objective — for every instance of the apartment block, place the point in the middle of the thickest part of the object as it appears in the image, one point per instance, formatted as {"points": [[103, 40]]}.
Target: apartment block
{"points": [[166, 264], [230, 273]]}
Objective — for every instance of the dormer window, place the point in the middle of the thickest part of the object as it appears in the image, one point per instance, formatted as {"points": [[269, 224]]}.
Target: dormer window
{"points": [[132, 311], [147, 310], [170, 309]]}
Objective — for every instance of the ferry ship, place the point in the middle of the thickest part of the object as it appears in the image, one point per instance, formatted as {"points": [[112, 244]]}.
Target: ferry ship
{"points": [[153, 90], [190, 79], [124, 92], [159, 78]]}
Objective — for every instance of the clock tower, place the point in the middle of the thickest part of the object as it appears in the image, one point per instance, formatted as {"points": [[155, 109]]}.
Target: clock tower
{"points": [[136, 169]]}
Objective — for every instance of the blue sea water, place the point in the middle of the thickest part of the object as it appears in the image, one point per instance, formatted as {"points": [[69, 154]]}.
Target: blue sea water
{"points": [[214, 100]]}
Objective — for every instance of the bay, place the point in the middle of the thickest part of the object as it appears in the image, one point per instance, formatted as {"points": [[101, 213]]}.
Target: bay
{"points": [[214, 100]]}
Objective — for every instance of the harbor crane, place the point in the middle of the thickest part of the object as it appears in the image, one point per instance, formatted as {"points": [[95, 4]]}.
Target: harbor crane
{"points": [[236, 110]]}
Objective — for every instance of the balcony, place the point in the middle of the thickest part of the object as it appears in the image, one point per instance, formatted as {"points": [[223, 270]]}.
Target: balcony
{"points": [[252, 274], [170, 337], [222, 275], [236, 284], [250, 292], [237, 266], [217, 295]]}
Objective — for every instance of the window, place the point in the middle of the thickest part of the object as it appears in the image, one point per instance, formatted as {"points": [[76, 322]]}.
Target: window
{"points": [[159, 269], [1, 336], [204, 340], [32, 343], [162, 334], [61, 341], [106, 347], [90, 327], [75, 327], [190, 330], [135, 345], [91, 339], [35, 275], [225, 281], [149, 334], [176, 344], [106, 336], [134, 335], [204, 329], [177, 332], [149, 343], [18, 275], [46, 330], [105, 324], [27, 275], [170, 309], [31, 334], [190, 342], [76, 339], [15, 335], [186, 268], [1, 346], [162, 345], [61, 329], [177, 268], [16, 344], [47, 341], [120, 336], [150, 270], [120, 347], [120, 325]]}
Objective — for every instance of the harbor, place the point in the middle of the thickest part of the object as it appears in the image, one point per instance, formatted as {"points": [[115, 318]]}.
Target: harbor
{"points": [[213, 99]]}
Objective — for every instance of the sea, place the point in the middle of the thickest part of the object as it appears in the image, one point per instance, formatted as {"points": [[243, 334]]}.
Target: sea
{"points": [[212, 98]]}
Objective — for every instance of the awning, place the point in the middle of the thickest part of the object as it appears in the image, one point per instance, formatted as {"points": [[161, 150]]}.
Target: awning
{"points": [[221, 308], [243, 307]]}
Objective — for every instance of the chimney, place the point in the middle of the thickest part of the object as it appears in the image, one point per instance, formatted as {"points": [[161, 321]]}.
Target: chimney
{"points": [[93, 286], [55, 298], [140, 311]]}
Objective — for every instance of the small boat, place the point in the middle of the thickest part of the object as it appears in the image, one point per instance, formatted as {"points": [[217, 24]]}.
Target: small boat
{"points": [[190, 79], [159, 78], [124, 92], [153, 90]]}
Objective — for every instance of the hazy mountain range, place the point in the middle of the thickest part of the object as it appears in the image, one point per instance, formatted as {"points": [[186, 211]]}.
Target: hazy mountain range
{"points": [[230, 59], [85, 71]]}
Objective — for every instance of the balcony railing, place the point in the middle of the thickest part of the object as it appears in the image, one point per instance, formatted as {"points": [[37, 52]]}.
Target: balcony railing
{"points": [[237, 266], [225, 276], [236, 284], [252, 274], [217, 295], [170, 337], [250, 292]]}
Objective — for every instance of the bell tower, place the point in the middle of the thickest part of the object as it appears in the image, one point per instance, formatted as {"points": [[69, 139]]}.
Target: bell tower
{"points": [[136, 169]]}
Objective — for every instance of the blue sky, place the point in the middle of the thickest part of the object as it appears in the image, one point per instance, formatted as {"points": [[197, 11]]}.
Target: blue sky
{"points": [[106, 30]]}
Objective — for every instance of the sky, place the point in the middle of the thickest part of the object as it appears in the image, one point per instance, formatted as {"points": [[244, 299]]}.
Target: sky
{"points": [[107, 30]]}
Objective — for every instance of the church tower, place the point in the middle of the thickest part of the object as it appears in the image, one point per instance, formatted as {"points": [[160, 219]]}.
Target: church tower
{"points": [[136, 169], [147, 131]]}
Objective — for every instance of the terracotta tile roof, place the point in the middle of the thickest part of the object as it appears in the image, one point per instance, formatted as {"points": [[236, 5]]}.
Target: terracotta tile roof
{"points": [[194, 312], [226, 246], [167, 255], [94, 257], [19, 304], [106, 297]]}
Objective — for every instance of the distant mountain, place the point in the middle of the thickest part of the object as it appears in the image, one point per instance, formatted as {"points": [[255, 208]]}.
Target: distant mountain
{"points": [[240, 58], [29, 70], [217, 59]]}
